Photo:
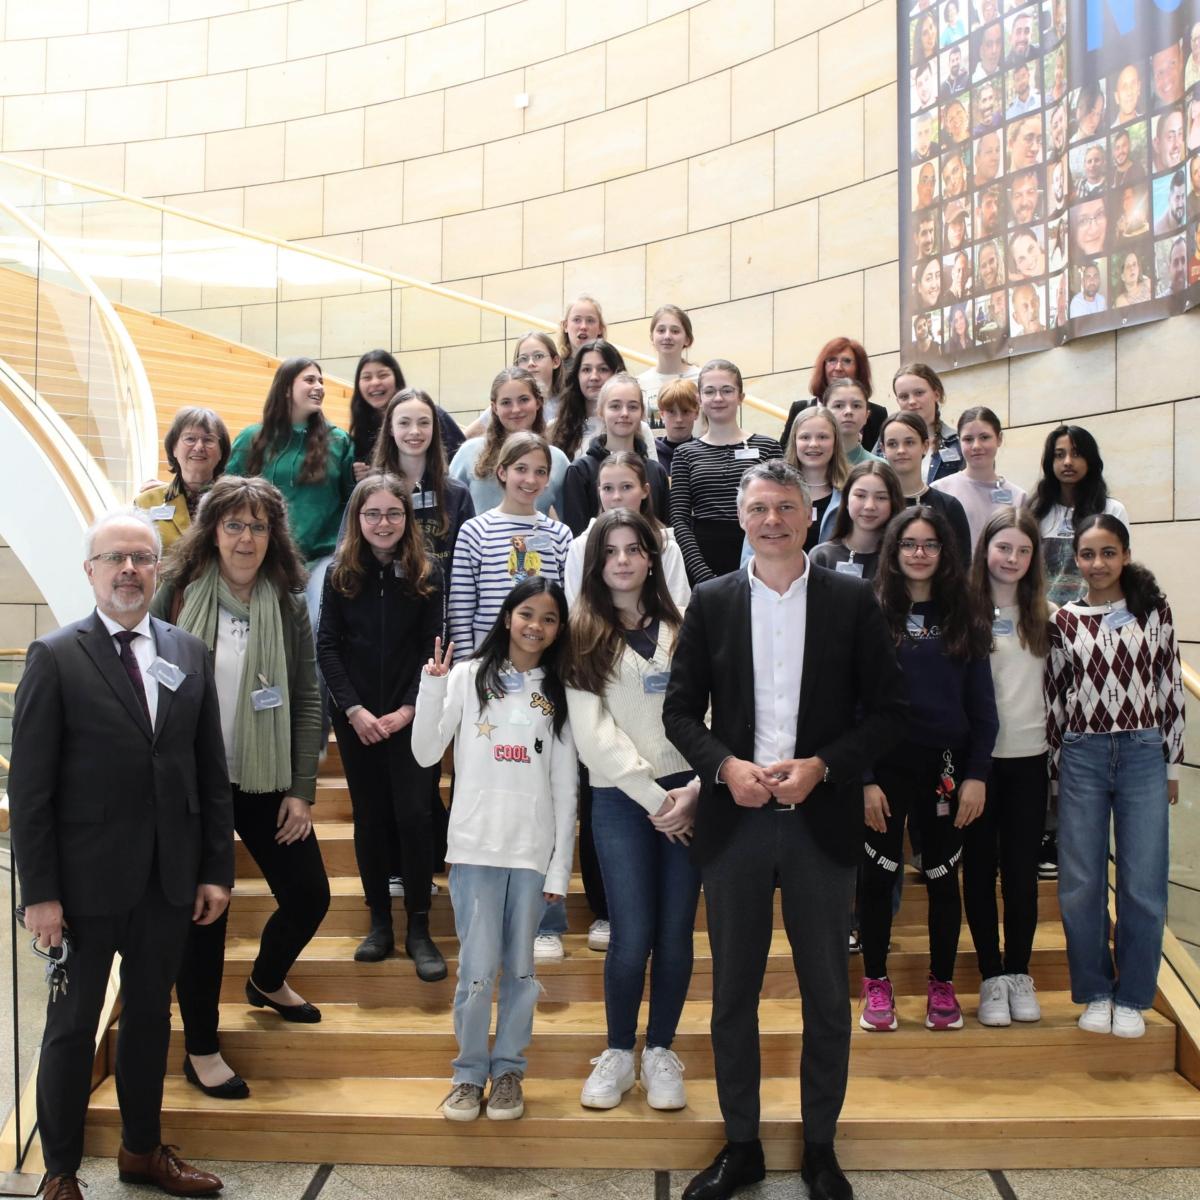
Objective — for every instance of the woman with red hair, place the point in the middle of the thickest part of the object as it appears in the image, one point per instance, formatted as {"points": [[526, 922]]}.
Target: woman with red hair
{"points": [[840, 358]]}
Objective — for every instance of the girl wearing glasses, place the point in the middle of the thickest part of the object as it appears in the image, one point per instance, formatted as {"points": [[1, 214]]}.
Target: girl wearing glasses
{"points": [[841, 358], [671, 336], [234, 581], [1114, 685], [705, 474], [381, 611], [536, 352], [936, 779]]}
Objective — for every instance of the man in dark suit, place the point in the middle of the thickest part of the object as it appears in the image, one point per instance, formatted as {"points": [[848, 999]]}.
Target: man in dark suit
{"points": [[805, 690], [122, 828]]}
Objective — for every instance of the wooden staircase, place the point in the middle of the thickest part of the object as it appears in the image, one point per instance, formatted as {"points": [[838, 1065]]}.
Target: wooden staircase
{"points": [[365, 1084]]}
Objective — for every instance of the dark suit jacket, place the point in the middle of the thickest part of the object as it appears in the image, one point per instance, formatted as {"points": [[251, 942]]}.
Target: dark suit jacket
{"points": [[97, 795], [852, 703]]}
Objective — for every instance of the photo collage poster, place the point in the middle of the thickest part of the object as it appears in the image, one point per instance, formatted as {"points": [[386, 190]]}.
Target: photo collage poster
{"points": [[1049, 171]]}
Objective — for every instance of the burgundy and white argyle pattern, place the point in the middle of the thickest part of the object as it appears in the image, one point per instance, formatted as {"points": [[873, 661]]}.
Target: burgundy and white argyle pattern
{"points": [[1105, 680]]}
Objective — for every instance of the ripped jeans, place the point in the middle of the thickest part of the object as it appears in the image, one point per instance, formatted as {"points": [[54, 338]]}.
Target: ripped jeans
{"points": [[496, 915]]}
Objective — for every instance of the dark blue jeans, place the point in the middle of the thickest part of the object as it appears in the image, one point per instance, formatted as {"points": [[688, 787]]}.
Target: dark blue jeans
{"points": [[652, 891]]}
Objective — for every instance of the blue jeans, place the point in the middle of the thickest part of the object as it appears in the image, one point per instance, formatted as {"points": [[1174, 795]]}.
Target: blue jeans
{"points": [[496, 912], [553, 917], [1122, 776], [652, 891]]}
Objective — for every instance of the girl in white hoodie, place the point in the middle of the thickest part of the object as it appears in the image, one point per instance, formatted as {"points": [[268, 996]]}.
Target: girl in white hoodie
{"points": [[512, 827]]}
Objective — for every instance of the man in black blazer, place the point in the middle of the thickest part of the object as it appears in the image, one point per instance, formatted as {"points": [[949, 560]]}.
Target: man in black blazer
{"points": [[122, 828], [805, 690]]}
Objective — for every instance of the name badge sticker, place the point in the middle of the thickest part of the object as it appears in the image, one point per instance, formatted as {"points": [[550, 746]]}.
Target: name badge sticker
{"points": [[1002, 496], [849, 568], [916, 621], [746, 454], [950, 454], [162, 512], [512, 682], [540, 542], [1117, 618], [266, 696], [655, 684], [168, 674], [422, 500], [1003, 627]]}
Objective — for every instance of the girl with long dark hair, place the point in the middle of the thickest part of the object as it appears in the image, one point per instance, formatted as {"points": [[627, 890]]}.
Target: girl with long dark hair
{"points": [[872, 498]]}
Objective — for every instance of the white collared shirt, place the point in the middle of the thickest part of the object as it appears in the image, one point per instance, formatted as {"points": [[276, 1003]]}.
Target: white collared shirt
{"points": [[777, 629], [143, 650]]}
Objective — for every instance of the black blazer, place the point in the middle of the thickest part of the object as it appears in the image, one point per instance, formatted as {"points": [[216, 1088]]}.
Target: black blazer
{"points": [[97, 795], [852, 703]]}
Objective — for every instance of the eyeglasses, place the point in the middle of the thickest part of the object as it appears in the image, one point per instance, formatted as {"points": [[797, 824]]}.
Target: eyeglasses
{"points": [[726, 393], [258, 529], [191, 441], [116, 558], [930, 546], [538, 356], [372, 516]]}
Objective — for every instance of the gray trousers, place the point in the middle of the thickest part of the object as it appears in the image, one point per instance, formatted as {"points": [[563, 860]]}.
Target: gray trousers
{"points": [[770, 848]]}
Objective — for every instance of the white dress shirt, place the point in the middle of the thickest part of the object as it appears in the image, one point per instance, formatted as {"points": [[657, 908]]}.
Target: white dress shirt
{"points": [[777, 629], [143, 650]]}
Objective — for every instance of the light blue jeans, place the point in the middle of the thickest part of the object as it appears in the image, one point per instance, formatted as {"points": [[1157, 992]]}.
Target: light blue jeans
{"points": [[496, 914], [1122, 776]]}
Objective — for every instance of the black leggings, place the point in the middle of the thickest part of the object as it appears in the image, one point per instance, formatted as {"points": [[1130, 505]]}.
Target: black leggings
{"points": [[910, 783], [393, 817], [296, 875], [1006, 837], [721, 544]]}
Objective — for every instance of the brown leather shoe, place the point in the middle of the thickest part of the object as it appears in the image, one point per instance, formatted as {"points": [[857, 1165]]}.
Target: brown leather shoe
{"points": [[61, 1187], [165, 1169]]}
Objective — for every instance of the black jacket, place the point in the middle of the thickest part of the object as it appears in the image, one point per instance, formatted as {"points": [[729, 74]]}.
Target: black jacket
{"points": [[581, 501], [371, 647], [852, 703]]}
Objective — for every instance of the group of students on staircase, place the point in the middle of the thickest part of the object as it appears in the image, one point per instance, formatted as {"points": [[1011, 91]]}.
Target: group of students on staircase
{"points": [[519, 591]]}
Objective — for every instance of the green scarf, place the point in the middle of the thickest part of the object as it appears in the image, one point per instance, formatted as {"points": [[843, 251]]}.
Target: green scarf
{"points": [[263, 758]]}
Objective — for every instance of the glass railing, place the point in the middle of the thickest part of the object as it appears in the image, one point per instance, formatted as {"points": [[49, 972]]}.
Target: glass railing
{"points": [[68, 369], [276, 297]]}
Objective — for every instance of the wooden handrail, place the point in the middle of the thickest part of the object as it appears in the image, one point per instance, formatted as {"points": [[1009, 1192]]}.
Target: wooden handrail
{"points": [[1191, 680], [527, 320]]}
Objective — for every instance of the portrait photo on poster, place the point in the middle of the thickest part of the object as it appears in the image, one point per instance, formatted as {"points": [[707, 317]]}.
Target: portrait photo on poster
{"points": [[1051, 185]]}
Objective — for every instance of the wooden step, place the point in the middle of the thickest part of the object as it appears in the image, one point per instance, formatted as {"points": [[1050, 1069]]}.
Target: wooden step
{"points": [[415, 1042], [326, 972], [1061, 1120]]}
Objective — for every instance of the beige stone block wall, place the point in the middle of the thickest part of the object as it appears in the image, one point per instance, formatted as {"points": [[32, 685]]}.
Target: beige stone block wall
{"points": [[737, 157]]}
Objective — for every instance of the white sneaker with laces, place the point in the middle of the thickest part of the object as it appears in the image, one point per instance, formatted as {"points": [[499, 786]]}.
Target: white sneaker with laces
{"points": [[1097, 1017], [395, 886], [598, 935], [662, 1078], [1022, 1002], [547, 948], [612, 1076], [993, 1002], [1128, 1022]]}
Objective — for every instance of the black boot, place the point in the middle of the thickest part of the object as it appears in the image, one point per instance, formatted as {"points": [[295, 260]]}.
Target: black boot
{"points": [[418, 945], [379, 943]]}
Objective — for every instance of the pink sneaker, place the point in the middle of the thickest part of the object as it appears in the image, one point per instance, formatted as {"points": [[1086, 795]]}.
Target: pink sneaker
{"points": [[941, 1006], [879, 1007]]}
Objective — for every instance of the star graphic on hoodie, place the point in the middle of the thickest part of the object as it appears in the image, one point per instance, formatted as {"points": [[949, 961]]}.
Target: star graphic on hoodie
{"points": [[485, 729]]}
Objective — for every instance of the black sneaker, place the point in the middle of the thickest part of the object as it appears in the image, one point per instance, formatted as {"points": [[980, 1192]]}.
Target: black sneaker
{"points": [[1048, 857]]}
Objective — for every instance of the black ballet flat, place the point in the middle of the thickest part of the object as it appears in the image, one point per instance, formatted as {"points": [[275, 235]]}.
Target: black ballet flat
{"points": [[235, 1088], [302, 1014]]}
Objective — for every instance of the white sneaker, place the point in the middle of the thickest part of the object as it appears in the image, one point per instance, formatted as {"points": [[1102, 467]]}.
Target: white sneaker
{"points": [[1022, 1002], [1097, 1017], [993, 1002], [395, 886], [1127, 1022], [547, 948], [662, 1078], [612, 1076], [598, 935]]}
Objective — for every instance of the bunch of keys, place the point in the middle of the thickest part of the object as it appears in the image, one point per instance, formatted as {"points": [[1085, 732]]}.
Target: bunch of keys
{"points": [[56, 960], [945, 787]]}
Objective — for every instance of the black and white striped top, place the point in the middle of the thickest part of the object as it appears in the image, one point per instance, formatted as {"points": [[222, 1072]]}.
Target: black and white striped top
{"points": [[704, 483]]}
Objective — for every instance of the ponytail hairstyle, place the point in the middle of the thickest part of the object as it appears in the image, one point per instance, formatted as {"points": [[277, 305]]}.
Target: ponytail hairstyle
{"points": [[493, 438], [965, 632], [913, 420], [597, 639], [637, 464], [931, 377], [567, 430], [363, 417], [838, 467], [276, 428], [413, 564], [564, 338], [517, 445], [722, 364], [1091, 492], [1138, 585], [493, 652], [386, 455], [1033, 611], [540, 335], [842, 524], [673, 310], [981, 412]]}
